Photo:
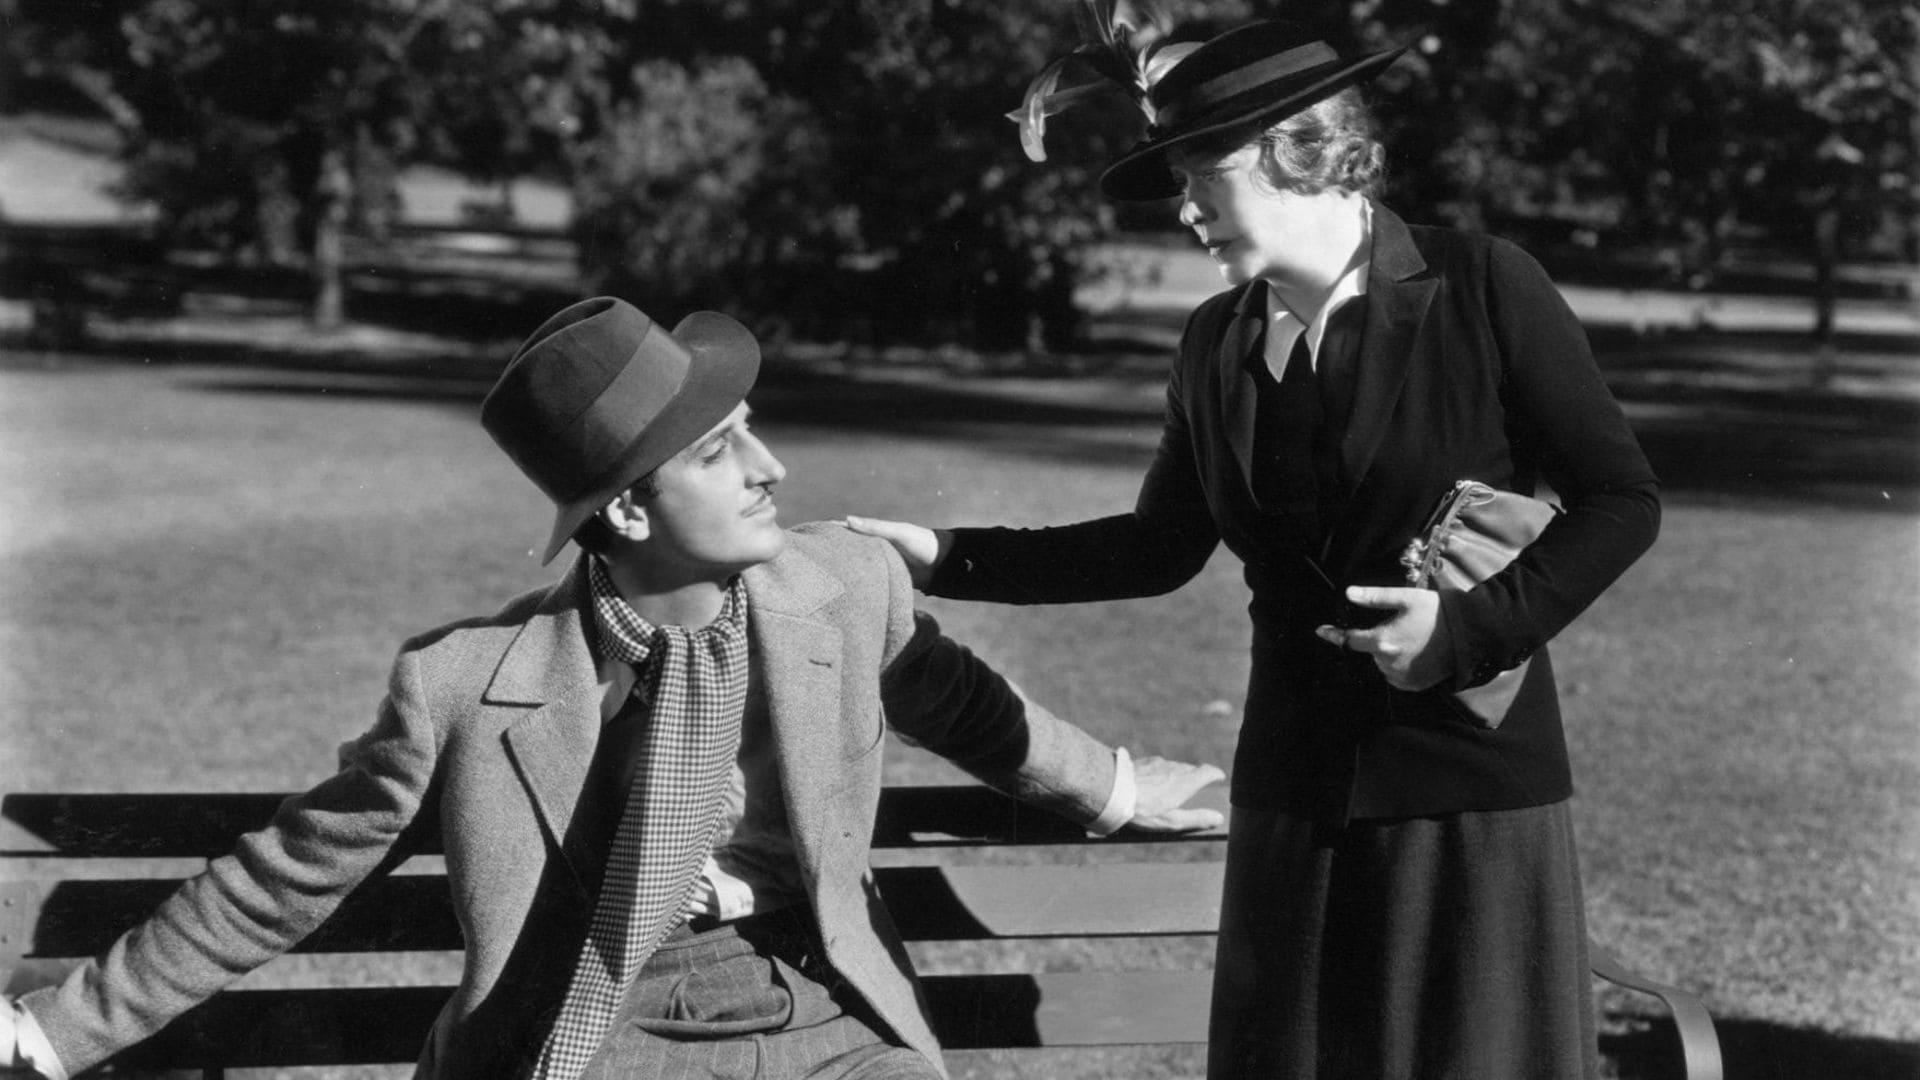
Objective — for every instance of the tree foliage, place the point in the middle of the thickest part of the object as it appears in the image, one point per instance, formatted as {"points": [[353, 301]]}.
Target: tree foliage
{"points": [[1673, 125], [834, 166], [826, 165], [269, 126], [262, 128]]}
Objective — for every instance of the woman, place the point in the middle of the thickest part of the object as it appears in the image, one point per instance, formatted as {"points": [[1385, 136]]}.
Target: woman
{"points": [[1402, 895]]}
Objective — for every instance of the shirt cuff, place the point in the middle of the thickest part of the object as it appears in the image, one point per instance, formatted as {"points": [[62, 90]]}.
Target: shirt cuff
{"points": [[30, 1045], [1120, 804]]}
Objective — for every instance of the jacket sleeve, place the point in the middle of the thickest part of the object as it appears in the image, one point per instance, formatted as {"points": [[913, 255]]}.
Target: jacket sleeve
{"points": [[1157, 548], [939, 695], [251, 905], [1565, 421]]}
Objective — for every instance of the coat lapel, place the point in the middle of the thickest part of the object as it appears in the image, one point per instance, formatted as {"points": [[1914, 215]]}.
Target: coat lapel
{"points": [[797, 654], [1397, 302], [1239, 396], [550, 668]]}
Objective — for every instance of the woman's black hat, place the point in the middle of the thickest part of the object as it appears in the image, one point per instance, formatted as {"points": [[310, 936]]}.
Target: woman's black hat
{"points": [[1248, 78]]}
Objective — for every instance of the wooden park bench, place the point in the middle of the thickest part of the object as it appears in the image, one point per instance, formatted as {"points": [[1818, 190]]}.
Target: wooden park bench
{"points": [[56, 906], [64, 271]]}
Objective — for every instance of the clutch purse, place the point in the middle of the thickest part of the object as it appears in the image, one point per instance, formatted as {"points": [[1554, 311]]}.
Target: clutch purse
{"points": [[1472, 535]]}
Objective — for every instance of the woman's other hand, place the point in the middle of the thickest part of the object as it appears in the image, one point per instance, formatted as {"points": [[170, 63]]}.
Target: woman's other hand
{"points": [[922, 548], [1410, 647]]}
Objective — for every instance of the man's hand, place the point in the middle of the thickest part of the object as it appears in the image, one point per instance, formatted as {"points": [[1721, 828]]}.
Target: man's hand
{"points": [[1410, 648], [1162, 789], [922, 548]]}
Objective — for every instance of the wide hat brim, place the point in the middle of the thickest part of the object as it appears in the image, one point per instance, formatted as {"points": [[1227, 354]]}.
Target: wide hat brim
{"points": [[1142, 174], [725, 362]]}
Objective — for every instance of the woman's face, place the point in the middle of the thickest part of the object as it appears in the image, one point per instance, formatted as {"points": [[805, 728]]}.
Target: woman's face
{"points": [[1252, 227]]}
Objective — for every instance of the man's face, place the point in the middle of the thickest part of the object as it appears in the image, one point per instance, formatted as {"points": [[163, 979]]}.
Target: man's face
{"points": [[712, 514]]}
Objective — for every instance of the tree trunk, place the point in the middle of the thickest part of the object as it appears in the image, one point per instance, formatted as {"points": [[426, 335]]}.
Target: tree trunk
{"points": [[1826, 258], [335, 191], [276, 216]]}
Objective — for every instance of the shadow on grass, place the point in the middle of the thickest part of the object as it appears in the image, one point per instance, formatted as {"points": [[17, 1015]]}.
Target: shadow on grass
{"points": [[1756, 1050], [1707, 453], [1746, 416], [455, 306]]}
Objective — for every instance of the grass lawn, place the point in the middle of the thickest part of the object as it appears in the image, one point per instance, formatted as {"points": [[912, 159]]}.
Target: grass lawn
{"points": [[204, 572]]}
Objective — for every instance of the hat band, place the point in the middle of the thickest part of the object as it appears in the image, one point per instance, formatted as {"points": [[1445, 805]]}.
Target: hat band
{"points": [[1240, 80], [599, 440]]}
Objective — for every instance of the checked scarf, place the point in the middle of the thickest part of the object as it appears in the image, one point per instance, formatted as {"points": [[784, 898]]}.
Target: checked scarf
{"points": [[675, 805]]}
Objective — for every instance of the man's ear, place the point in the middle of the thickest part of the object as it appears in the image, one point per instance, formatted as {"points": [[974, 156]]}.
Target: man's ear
{"points": [[626, 517]]}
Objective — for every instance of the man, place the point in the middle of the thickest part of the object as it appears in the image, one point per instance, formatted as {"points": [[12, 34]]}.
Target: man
{"points": [[656, 780]]}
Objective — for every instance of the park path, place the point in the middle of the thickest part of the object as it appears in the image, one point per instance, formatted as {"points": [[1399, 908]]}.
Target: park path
{"points": [[1648, 339]]}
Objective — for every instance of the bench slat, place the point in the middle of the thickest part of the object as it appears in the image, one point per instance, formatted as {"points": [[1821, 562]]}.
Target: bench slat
{"points": [[1097, 1008], [44, 916], [205, 826], [258, 1028], [140, 826], [413, 912], [367, 1026], [949, 903]]}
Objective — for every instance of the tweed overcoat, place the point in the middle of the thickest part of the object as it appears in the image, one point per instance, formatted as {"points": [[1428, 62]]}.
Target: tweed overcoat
{"points": [[1470, 365], [490, 726]]}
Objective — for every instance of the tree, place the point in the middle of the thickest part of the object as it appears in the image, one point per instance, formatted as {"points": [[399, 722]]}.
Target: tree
{"points": [[493, 109], [701, 187], [266, 128], [61, 55], [824, 165], [1669, 125]]}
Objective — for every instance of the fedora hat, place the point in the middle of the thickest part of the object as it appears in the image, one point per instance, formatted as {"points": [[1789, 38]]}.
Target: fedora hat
{"points": [[600, 395], [1248, 78]]}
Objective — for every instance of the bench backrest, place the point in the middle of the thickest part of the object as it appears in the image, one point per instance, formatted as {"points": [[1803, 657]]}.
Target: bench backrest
{"points": [[81, 869], [84, 868]]}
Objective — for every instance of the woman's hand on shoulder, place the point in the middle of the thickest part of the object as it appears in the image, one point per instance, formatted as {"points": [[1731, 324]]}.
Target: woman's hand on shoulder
{"points": [[920, 547]]}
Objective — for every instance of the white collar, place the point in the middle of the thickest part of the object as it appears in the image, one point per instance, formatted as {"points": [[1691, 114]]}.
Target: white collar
{"points": [[1283, 326]]}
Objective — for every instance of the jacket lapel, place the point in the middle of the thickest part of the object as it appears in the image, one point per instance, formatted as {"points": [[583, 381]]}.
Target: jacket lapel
{"points": [[1397, 302], [797, 654], [1239, 396], [550, 668]]}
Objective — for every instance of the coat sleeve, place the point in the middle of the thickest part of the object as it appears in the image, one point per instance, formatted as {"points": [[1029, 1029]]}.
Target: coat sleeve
{"points": [[1565, 421], [939, 695], [250, 906], [1157, 548]]}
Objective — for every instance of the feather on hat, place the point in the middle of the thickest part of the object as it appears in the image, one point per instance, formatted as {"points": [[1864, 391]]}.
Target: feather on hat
{"points": [[1246, 78], [1126, 54]]}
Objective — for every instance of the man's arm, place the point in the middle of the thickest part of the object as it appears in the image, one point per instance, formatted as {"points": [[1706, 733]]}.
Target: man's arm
{"points": [[252, 905], [939, 695]]}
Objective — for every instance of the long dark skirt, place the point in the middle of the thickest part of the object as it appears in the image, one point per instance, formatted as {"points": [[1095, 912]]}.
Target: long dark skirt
{"points": [[1430, 949]]}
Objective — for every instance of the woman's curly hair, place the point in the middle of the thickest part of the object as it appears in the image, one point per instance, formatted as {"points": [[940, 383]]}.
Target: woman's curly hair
{"points": [[1329, 144]]}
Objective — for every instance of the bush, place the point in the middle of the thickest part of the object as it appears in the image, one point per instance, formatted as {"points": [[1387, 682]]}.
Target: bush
{"points": [[689, 196]]}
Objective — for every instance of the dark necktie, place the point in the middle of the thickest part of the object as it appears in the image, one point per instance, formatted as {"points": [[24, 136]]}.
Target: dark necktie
{"points": [[1286, 426]]}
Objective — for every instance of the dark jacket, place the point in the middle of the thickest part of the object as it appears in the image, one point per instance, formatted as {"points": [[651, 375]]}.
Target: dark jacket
{"points": [[1470, 365]]}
